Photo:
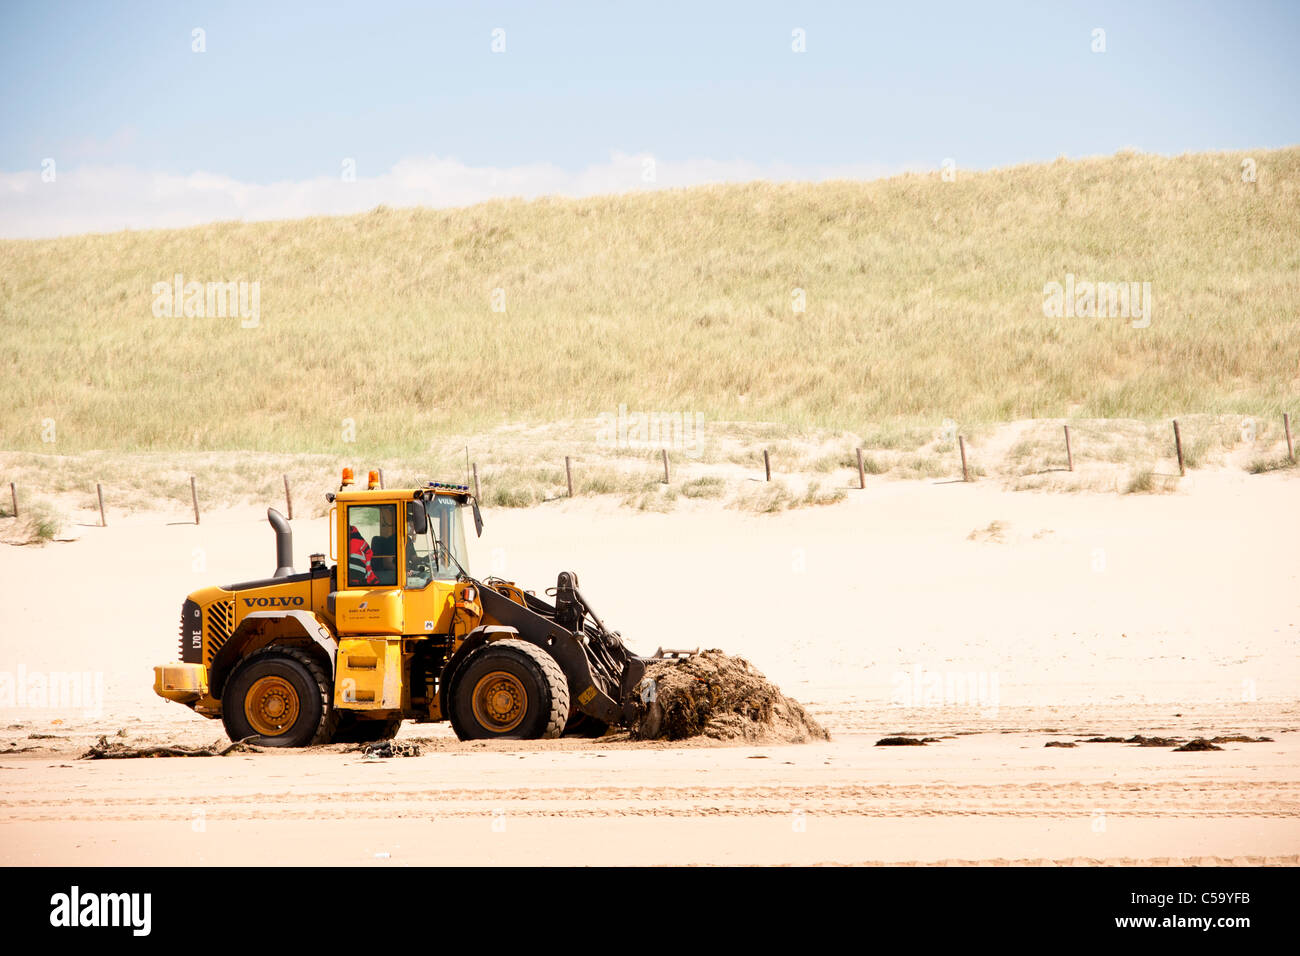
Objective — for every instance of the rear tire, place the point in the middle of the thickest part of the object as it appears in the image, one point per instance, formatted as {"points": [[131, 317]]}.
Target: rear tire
{"points": [[279, 697], [509, 690]]}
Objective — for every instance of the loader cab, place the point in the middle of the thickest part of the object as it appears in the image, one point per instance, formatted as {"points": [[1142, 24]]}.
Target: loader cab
{"points": [[401, 555]]}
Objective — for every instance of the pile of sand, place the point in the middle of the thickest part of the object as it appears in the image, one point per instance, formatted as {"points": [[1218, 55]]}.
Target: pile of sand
{"points": [[726, 698]]}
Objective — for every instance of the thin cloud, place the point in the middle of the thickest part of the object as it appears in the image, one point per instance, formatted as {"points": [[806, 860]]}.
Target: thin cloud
{"points": [[109, 198]]}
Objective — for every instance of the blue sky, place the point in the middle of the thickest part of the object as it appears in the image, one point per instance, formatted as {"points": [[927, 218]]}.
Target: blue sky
{"points": [[258, 125]]}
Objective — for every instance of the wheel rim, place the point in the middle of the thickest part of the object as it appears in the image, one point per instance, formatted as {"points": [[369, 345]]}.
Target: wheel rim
{"points": [[500, 702], [271, 706]]}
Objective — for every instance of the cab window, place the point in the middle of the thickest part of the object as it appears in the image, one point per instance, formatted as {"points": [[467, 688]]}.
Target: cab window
{"points": [[439, 553], [372, 546]]}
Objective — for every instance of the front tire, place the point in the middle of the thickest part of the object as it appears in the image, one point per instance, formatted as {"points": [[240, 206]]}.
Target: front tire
{"points": [[509, 690], [279, 697]]}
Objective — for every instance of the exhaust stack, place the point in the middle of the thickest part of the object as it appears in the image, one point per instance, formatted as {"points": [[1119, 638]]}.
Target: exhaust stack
{"points": [[283, 543]]}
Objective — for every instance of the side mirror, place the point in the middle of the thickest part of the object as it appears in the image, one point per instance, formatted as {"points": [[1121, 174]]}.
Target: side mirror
{"points": [[417, 517], [478, 518]]}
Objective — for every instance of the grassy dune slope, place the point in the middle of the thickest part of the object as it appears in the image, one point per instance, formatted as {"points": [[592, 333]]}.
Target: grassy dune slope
{"points": [[924, 302]]}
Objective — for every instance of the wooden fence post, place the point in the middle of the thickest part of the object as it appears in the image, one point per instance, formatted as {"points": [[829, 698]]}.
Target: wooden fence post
{"points": [[961, 442], [288, 498], [99, 490], [476, 494], [767, 465], [13, 494], [568, 475], [862, 474], [1178, 447], [1069, 456], [194, 493], [665, 454], [1286, 424]]}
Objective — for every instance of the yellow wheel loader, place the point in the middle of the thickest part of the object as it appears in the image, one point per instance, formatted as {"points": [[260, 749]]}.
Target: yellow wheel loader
{"points": [[397, 629]]}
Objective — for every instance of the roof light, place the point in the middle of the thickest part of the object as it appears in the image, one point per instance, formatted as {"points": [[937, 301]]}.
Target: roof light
{"points": [[347, 477], [446, 484], [374, 481]]}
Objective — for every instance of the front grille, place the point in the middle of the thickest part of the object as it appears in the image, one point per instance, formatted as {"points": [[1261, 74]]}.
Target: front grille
{"points": [[191, 633], [221, 624]]}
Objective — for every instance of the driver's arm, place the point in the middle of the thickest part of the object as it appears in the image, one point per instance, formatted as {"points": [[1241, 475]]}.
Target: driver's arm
{"points": [[418, 573]]}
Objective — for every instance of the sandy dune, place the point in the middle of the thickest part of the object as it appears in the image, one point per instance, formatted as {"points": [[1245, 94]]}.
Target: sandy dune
{"points": [[1063, 617]]}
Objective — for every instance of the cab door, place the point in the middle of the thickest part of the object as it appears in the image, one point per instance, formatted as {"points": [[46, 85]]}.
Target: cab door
{"points": [[369, 597]]}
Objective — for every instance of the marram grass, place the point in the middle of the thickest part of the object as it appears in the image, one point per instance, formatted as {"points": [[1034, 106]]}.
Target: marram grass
{"points": [[923, 301]]}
